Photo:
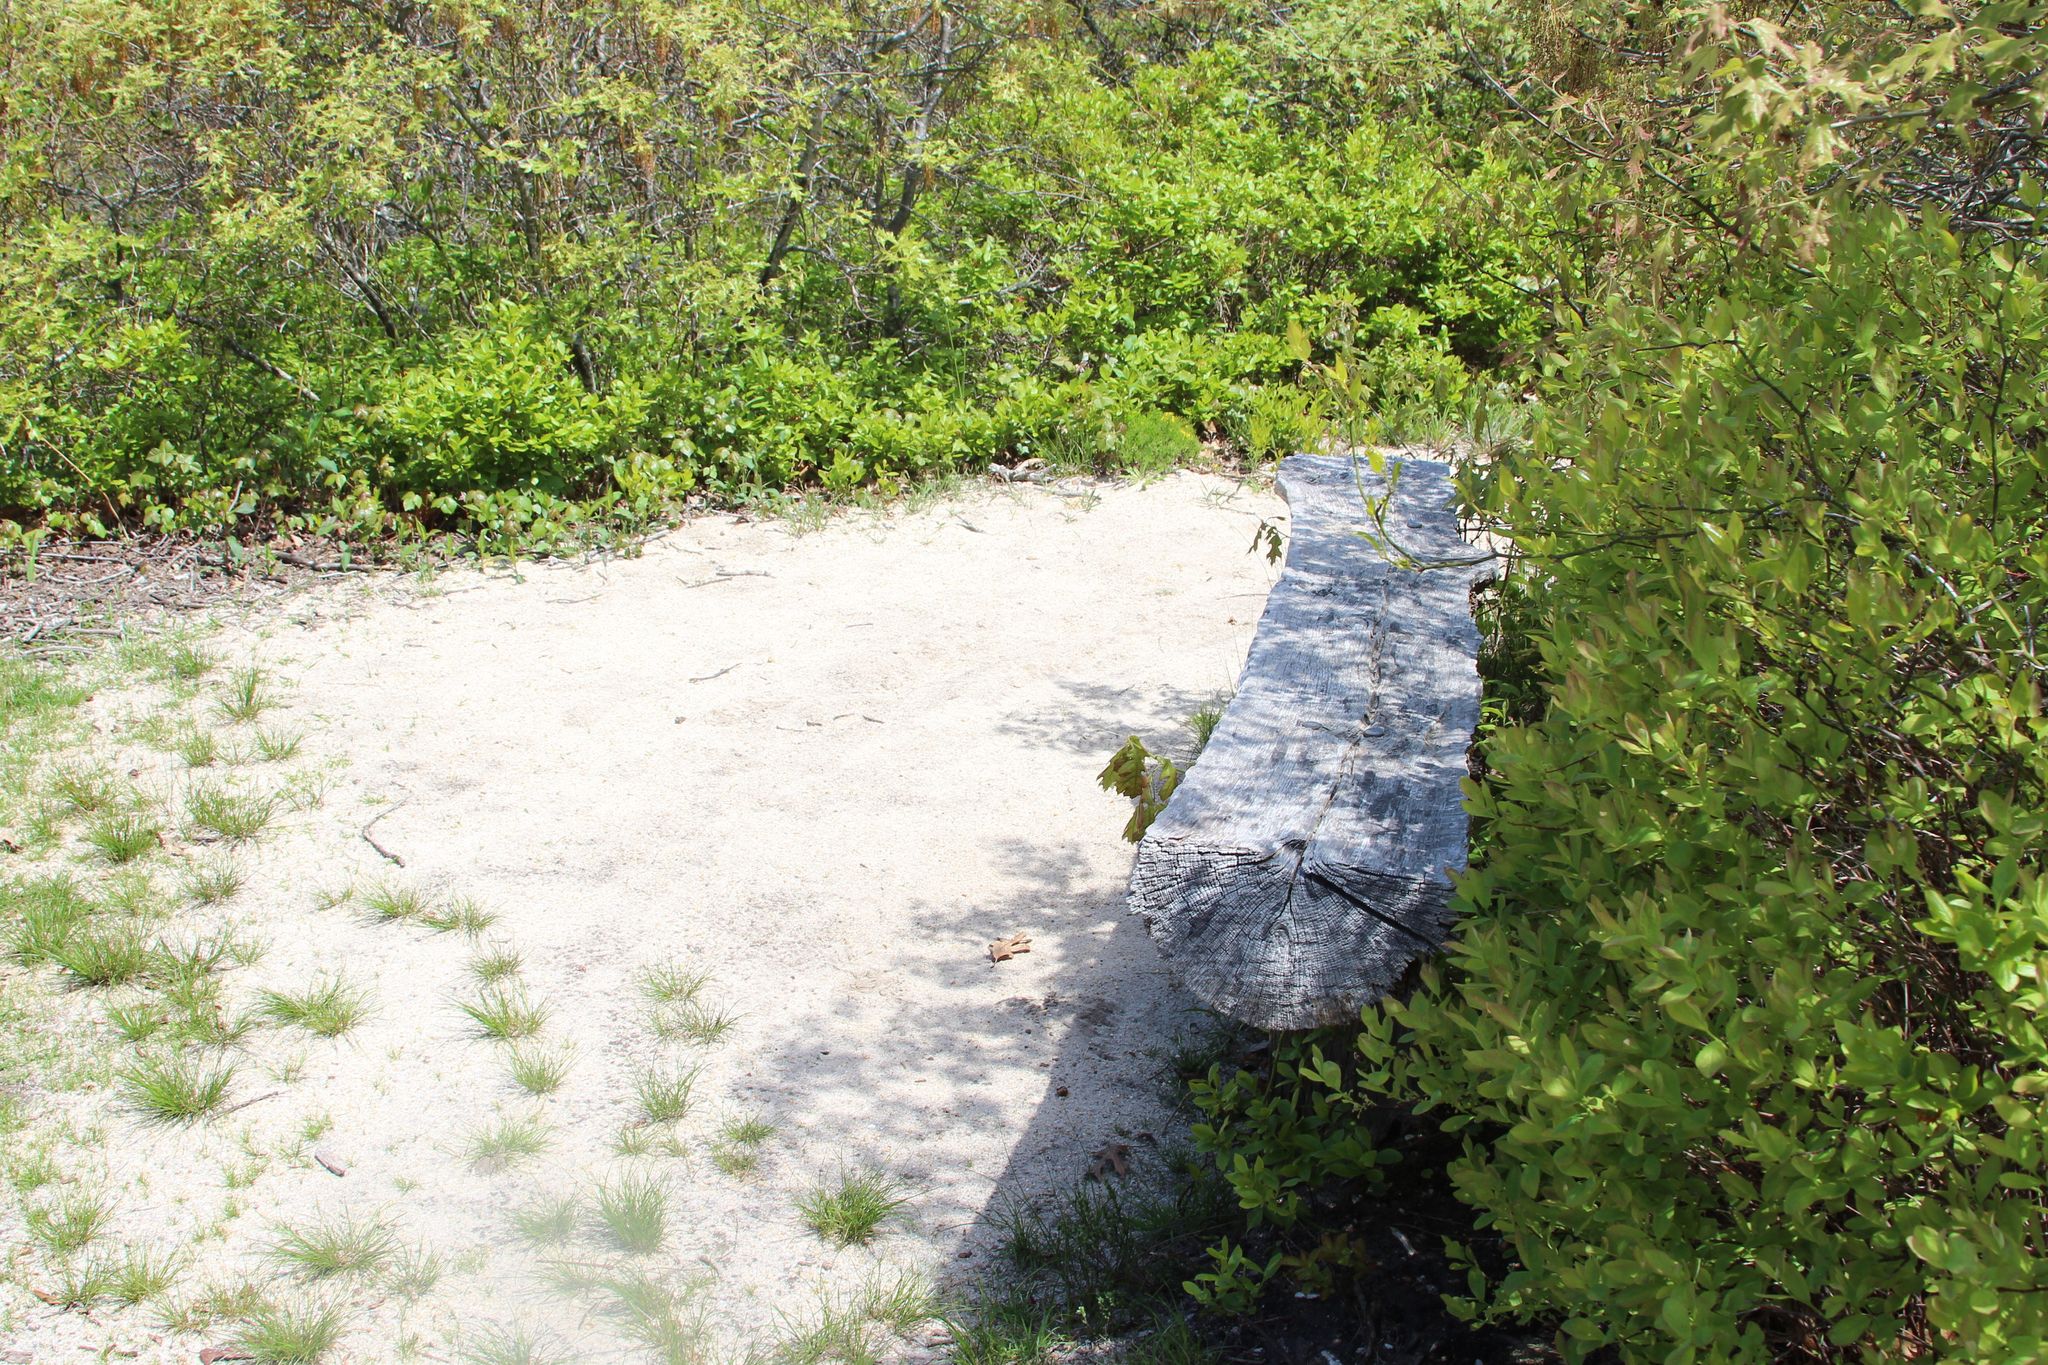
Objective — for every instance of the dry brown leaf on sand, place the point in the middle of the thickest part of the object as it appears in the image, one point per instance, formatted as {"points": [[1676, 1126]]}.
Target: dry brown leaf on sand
{"points": [[1003, 949], [213, 1353], [1112, 1158]]}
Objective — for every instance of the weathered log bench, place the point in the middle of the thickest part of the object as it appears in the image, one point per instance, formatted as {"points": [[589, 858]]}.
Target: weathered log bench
{"points": [[1302, 864]]}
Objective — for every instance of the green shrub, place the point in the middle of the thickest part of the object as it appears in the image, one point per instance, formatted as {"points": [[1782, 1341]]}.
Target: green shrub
{"points": [[504, 410], [1153, 442], [1744, 1023]]}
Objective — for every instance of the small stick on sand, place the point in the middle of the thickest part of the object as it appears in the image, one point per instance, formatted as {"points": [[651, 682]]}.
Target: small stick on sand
{"points": [[719, 674], [726, 575], [371, 840]]}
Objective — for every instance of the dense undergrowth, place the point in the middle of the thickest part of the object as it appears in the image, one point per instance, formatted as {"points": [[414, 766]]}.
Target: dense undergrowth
{"points": [[1742, 1034], [362, 270]]}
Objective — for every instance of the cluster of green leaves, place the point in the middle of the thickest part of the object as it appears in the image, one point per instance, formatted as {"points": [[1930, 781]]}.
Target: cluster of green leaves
{"points": [[1148, 779], [1743, 1034], [377, 268]]}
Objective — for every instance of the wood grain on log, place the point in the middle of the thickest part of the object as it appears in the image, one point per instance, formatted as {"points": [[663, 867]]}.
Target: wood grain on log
{"points": [[1303, 863]]}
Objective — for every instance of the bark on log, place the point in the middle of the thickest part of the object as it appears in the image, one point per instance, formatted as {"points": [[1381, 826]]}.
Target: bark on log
{"points": [[1302, 864]]}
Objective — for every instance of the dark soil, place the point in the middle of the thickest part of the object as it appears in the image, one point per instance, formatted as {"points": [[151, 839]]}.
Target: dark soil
{"points": [[1391, 1311], [71, 588]]}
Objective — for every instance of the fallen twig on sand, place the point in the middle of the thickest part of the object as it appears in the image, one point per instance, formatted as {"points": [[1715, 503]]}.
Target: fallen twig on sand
{"points": [[726, 575], [371, 840]]}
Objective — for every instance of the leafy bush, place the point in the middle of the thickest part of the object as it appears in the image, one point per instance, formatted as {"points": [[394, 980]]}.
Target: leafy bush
{"points": [[1743, 1032], [502, 410], [351, 298], [1745, 1008]]}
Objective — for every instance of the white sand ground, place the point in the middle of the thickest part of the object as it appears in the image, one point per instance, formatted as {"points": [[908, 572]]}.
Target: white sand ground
{"points": [[825, 768]]}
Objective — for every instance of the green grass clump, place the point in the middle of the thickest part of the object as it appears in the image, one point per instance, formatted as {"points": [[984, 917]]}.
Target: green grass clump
{"points": [[540, 1070], [394, 901], [341, 1246], [70, 1224], [664, 1093], [495, 964], [1202, 725], [658, 1318], [461, 915], [221, 1301], [34, 691], [199, 748], [123, 836], [506, 1142], [1008, 1330], [247, 698], [291, 1334], [277, 746], [633, 1209], [84, 788], [139, 1274], [852, 1211], [230, 815], [670, 983], [214, 882], [504, 1014], [98, 952], [737, 1148], [47, 912], [168, 660], [692, 1022], [496, 1345], [548, 1222], [330, 1007], [138, 1021], [202, 1019], [176, 1089], [415, 1274], [846, 1327]]}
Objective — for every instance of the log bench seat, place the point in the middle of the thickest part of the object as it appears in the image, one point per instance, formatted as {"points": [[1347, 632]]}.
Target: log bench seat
{"points": [[1303, 862]]}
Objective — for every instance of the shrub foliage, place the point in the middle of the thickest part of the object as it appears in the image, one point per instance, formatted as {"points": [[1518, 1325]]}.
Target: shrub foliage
{"points": [[376, 266], [1743, 1034]]}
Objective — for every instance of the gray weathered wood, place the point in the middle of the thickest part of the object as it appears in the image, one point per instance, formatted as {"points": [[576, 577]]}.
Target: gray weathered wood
{"points": [[1301, 866]]}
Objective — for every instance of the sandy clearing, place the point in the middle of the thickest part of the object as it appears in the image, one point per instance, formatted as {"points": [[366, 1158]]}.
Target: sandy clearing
{"points": [[826, 769]]}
